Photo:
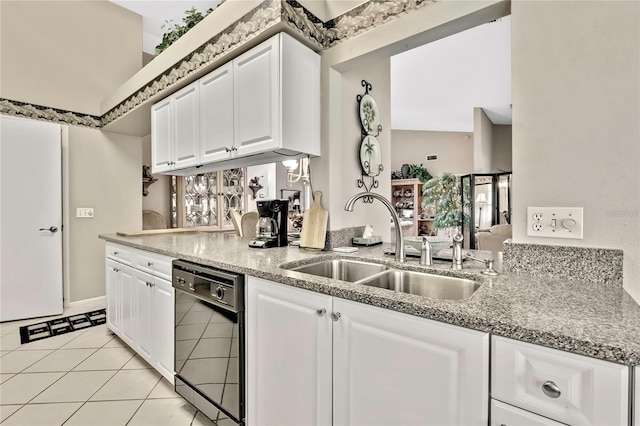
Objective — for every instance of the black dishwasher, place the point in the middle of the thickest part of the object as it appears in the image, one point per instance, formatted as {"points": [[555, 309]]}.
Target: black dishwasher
{"points": [[209, 340]]}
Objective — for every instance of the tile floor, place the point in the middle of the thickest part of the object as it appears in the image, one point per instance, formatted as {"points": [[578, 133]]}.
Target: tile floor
{"points": [[84, 378]]}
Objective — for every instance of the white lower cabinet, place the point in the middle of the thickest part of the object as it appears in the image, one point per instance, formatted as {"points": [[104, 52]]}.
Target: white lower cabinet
{"points": [[566, 387], [388, 367], [507, 415], [140, 306]]}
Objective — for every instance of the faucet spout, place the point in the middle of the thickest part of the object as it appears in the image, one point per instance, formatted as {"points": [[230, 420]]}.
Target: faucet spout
{"points": [[400, 256]]}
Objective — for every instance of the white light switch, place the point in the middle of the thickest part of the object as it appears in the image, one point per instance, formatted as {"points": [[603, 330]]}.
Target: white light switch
{"points": [[84, 212], [555, 222]]}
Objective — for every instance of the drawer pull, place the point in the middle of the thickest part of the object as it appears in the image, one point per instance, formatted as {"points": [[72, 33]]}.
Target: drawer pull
{"points": [[335, 316], [551, 389], [115, 253], [149, 264], [321, 312]]}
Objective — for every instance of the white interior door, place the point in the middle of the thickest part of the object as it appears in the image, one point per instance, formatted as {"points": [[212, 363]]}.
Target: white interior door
{"points": [[30, 219]]}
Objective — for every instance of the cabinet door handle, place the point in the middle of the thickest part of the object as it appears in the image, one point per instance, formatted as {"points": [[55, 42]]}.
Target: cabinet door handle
{"points": [[551, 389], [149, 264], [150, 284], [115, 253], [228, 149], [115, 269], [335, 316], [321, 312]]}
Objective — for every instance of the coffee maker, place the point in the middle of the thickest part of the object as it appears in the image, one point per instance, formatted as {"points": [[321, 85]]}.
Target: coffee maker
{"points": [[271, 230]]}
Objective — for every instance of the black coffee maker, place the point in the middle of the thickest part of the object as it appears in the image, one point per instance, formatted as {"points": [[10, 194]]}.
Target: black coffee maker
{"points": [[271, 230]]}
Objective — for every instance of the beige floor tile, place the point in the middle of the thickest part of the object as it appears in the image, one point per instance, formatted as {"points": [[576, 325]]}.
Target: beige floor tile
{"points": [[5, 377], [7, 410], [106, 359], [104, 413], [62, 360], [102, 328], [17, 361], [88, 340], [54, 342], [21, 388], [42, 414], [136, 363], [128, 384], [164, 412], [163, 389], [115, 343], [76, 386], [202, 420], [9, 342], [10, 327]]}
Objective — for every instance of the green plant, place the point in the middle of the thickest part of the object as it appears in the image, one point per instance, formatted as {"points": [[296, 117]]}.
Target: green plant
{"points": [[443, 192], [419, 172], [192, 17]]}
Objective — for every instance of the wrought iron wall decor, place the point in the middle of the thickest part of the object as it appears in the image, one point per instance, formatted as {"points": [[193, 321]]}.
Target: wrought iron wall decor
{"points": [[147, 179], [369, 152]]}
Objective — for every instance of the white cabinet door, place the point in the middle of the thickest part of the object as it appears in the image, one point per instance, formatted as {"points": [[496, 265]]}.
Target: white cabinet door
{"points": [[289, 355], [566, 387], [112, 287], [145, 319], [127, 303], [256, 86], [186, 142], [216, 115], [161, 136], [393, 368], [507, 415], [164, 325]]}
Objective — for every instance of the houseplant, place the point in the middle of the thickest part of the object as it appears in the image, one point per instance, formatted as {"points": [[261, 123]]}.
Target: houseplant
{"points": [[191, 18], [443, 192]]}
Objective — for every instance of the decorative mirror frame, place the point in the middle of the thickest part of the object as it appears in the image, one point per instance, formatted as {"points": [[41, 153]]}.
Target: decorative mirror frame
{"points": [[369, 150]]}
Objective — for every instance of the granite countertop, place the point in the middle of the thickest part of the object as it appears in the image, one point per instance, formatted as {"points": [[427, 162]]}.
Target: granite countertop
{"points": [[574, 316]]}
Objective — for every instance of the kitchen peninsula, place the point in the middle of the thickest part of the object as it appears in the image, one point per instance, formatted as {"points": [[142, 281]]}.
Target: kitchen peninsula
{"points": [[575, 317]]}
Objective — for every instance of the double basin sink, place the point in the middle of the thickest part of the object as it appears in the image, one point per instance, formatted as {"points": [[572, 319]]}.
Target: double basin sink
{"points": [[382, 276]]}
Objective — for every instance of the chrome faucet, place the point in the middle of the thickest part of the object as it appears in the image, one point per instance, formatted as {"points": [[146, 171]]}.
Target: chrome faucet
{"points": [[456, 256], [426, 256], [399, 237]]}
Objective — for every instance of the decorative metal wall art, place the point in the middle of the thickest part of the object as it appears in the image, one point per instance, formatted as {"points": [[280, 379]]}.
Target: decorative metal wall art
{"points": [[369, 153]]}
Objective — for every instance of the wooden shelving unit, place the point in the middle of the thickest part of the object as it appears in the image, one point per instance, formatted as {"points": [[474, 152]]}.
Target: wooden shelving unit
{"points": [[406, 197]]}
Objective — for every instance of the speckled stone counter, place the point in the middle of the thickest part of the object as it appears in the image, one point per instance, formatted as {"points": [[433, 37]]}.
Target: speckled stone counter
{"points": [[576, 316]]}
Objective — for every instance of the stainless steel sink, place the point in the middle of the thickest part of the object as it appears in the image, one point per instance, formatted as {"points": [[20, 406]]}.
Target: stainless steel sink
{"points": [[341, 269], [421, 284]]}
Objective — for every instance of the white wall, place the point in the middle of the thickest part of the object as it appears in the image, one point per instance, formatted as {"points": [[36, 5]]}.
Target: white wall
{"points": [[482, 141], [501, 152], [158, 198], [576, 120], [454, 150], [267, 175]]}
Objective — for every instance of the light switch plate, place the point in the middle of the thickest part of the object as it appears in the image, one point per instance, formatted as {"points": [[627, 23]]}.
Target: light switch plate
{"points": [[555, 222], [84, 212]]}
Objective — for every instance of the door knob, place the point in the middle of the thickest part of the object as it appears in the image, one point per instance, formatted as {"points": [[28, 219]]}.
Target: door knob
{"points": [[52, 229]]}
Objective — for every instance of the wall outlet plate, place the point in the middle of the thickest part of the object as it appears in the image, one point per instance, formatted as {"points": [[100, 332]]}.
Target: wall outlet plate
{"points": [[555, 222], [84, 212]]}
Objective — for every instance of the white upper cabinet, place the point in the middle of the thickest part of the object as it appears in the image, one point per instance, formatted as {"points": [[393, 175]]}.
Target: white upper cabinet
{"points": [[186, 135], [256, 92], [216, 114], [174, 131], [265, 100], [161, 136]]}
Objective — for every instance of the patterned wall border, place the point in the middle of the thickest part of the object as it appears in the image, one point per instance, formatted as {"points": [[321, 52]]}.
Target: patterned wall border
{"points": [[323, 35]]}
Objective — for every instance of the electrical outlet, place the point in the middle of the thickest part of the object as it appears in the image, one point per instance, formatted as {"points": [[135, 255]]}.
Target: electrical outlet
{"points": [[555, 222], [84, 212]]}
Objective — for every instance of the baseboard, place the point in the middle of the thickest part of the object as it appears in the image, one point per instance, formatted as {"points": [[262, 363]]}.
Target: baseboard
{"points": [[96, 301]]}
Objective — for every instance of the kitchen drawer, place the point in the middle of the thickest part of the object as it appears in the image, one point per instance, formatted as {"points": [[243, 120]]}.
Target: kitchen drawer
{"points": [[154, 264], [566, 387], [119, 253], [508, 415]]}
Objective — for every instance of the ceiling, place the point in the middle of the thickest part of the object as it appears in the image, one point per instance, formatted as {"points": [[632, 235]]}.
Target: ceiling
{"points": [[433, 87]]}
